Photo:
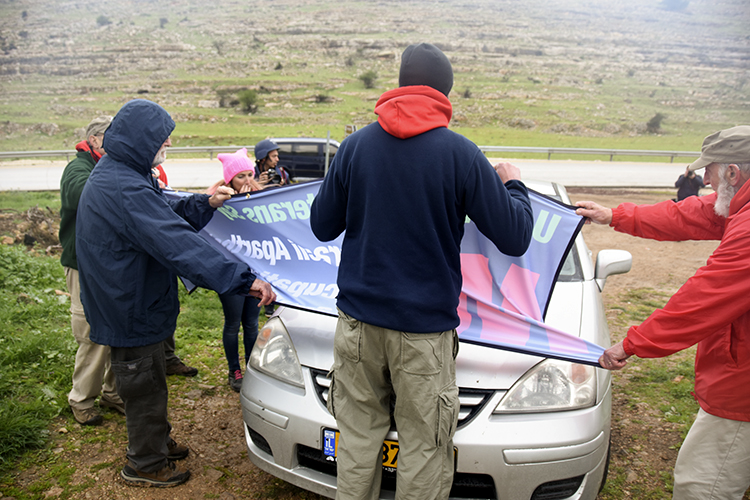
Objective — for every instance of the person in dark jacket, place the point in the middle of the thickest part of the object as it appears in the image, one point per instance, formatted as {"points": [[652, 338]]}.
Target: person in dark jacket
{"points": [[269, 173], [92, 374], [402, 247], [688, 184], [132, 243]]}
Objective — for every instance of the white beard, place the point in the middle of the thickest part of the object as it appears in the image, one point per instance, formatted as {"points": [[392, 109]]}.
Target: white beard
{"points": [[161, 157], [724, 194]]}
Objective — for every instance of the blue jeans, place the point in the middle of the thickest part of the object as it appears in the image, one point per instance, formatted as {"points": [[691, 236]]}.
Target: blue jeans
{"points": [[239, 308]]}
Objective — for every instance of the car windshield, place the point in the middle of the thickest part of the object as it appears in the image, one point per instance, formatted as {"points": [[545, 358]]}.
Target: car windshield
{"points": [[571, 268]]}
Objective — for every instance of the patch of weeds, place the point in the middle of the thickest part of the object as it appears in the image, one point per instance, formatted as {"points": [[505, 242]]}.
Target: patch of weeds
{"points": [[104, 465], [62, 472], [23, 200], [668, 479], [645, 492], [613, 489], [667, 384], [36, 350], [639, 303]]}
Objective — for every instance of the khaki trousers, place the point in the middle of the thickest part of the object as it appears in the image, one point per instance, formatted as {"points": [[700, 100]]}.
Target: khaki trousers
{"points": [[371, 364], [92, 373], [714, 460]]}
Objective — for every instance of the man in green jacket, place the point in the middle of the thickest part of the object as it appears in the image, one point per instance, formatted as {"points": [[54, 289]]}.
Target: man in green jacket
{"points": [[92, 374]]}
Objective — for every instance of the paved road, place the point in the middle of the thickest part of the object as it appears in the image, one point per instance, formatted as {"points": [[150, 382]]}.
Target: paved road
{"points": [[44, 175]]}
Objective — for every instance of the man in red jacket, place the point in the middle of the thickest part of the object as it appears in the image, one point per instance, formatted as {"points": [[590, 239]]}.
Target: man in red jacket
{"points": [[711, 309]]}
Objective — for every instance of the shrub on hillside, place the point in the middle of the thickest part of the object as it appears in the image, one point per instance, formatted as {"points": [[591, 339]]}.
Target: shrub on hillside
{"points": [[248, 100], [368, 78]]}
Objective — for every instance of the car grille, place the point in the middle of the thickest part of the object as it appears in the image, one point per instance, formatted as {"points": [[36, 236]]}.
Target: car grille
{"points": [[472, 400], [479, 486]]}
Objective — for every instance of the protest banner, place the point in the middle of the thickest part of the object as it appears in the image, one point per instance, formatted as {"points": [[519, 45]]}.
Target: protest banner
{"points": [[503, 299]]}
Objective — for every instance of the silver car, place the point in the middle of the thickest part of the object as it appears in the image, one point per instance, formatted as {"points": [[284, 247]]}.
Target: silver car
{"points": [[529, 427]]}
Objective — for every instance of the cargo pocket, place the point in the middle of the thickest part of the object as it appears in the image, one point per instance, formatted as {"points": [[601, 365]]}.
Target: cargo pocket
{"points": [[331, 388], [422, 353], [448, 408], [134, 378], [347, 340]]}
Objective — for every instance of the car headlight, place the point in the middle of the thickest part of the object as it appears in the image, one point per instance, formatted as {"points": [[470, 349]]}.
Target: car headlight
{"points": [[274, 354], [551, 385]]}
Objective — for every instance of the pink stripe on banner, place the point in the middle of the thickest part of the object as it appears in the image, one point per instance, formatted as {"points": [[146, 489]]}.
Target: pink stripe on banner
{"points": [[511, 329], [477, 280], [513, 324], [518, 292]]}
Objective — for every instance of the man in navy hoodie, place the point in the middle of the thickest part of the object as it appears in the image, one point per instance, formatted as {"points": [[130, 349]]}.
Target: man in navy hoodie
{"points": [[402, 189], [132, 243]]}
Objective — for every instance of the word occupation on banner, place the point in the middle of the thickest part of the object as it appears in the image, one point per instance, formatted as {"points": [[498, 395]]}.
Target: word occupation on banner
{"points": [[503, 299]]}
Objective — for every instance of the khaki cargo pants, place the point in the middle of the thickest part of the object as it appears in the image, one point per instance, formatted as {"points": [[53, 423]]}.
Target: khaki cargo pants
{"points": [[92, 372], [420, 368]]}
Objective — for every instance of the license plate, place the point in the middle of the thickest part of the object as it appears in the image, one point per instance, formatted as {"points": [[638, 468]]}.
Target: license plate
{"points": [[331, 446]]}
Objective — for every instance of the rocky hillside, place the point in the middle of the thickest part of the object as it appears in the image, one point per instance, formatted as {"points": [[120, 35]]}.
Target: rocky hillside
{"points": [[587, 66]]}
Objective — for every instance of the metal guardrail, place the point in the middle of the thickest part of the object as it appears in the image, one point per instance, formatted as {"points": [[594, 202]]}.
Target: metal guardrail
{"points": [[583, 151], [67, 153], [211, 150]]}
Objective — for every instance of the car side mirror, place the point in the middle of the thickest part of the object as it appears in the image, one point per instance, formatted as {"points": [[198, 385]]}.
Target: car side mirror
{"points": [[609, 262]]}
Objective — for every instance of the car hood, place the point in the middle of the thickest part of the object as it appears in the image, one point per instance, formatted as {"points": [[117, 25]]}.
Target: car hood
{"points": [[476, 366]]}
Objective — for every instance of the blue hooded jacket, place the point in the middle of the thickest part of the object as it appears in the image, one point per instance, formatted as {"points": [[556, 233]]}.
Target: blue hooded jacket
{"points": [[132, 242]]}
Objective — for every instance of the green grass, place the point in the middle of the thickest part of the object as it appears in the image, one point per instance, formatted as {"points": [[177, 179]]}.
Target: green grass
{"points": [[639, 303], [20, 201], [36, 351], [665, 383]]}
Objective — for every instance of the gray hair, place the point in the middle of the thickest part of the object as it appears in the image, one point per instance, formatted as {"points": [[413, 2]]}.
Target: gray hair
{"points": [[98, 125], [744, 167], [724, 190]]}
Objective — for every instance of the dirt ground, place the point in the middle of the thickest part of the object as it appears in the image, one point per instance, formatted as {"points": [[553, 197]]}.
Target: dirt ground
{"points": [[209, 420]]}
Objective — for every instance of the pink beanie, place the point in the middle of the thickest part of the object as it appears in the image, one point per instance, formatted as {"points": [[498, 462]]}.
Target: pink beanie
{"points": [[235, 163]]}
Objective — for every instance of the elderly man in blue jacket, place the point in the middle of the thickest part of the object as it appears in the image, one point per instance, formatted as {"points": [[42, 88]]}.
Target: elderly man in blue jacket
{"points": [[132, 243], [400, 275]]}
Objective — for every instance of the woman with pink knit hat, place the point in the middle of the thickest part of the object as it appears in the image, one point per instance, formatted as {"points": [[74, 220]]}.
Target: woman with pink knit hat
{"points": [[238, 175]]}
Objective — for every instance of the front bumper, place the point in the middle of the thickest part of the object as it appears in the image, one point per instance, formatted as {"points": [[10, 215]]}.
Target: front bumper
{"points": [[508, 457]]}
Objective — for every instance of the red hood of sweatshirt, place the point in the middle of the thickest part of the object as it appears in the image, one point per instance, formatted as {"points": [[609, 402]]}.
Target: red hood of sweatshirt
{"points": [[412, 110]]}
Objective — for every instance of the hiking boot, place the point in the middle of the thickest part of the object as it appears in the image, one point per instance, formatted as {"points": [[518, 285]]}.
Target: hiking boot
{"points": [[87, 416], [235, 380], [170, 475], [176, 451], [181, 369], [118, 406]]}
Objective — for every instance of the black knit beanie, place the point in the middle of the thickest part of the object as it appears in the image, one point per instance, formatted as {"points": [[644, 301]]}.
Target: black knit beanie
{"points": [[425, 64]]}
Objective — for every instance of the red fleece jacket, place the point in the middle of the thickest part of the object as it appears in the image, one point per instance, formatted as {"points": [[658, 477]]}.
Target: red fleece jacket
{"points": [[712, 308]]}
